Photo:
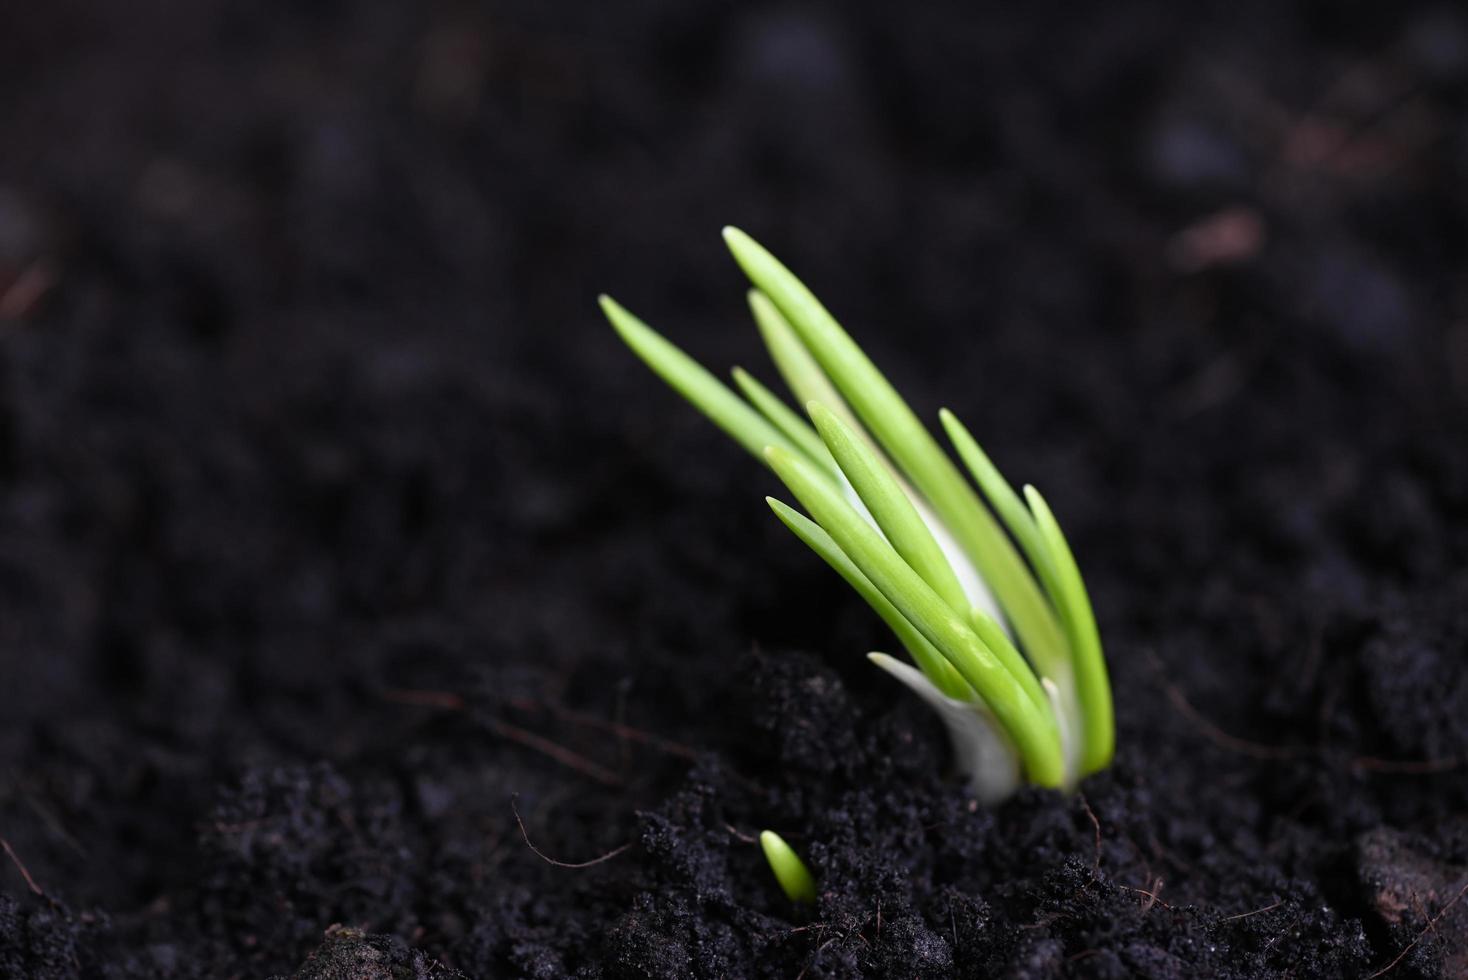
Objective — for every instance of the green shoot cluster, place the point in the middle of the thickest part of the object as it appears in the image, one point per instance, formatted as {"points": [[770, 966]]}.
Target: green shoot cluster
{"points": [[998, 624]]}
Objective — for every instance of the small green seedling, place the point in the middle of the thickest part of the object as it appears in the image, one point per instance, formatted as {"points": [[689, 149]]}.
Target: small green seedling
{"points": [[992, 610], [790, 871]]}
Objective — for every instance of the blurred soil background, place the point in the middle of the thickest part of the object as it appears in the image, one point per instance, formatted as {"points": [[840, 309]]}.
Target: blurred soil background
{"points": [[334, 521]]}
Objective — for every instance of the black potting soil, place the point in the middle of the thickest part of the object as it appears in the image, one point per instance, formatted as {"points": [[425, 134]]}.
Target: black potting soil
{"points": [[339, 536]]}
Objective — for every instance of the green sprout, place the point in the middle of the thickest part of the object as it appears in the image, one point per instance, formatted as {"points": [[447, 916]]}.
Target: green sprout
{"points": [[992, 610], [790, 871]]}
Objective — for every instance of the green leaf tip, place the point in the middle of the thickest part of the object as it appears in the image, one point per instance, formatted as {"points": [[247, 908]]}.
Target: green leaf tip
{"points": [[783, 417], [1093, 683], [694, 382], [790, 871]]}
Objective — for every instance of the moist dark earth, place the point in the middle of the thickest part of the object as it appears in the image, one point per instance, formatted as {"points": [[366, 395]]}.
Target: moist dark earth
{"points": [[336, 528]]}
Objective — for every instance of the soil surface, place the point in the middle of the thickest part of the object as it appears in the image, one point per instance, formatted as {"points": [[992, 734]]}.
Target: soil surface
{"points": [[336, 527]]}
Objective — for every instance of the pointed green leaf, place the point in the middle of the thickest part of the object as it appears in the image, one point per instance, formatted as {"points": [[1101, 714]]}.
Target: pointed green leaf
{"points": [[691, 380], [997, 491], [1020, 523], [1093, 686]]}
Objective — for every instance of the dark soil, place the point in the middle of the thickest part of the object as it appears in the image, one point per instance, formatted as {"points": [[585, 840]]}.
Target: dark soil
{"points": [[334, 521]]}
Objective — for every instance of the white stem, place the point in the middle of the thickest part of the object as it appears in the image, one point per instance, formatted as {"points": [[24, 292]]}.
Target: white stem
{"points": [[982, 752], [1065, 705]]}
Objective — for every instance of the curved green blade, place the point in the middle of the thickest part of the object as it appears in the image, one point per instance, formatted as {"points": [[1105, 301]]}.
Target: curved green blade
{"points": [[694, 382], [1020, 523], [1093, 685], [1000, 495]]}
